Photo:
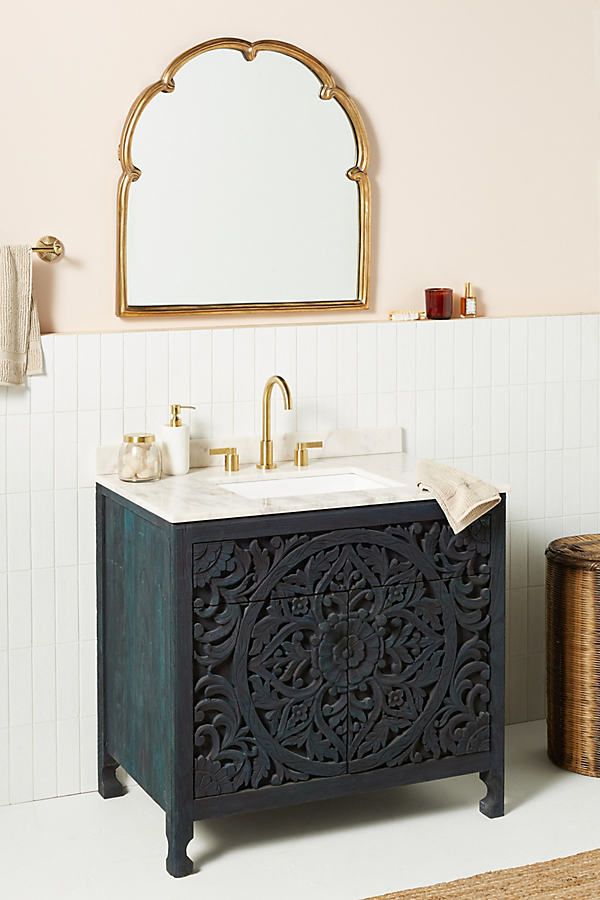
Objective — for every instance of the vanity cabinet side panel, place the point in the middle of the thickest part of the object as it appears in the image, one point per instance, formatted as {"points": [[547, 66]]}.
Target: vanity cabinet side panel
{"points": [[136, 646], [498, 634]]}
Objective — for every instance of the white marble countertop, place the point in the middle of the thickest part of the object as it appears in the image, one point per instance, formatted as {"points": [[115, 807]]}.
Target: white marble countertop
{"points": [[202, 495]]}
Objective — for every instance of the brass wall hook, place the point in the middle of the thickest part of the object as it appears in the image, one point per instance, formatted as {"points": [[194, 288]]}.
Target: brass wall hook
{"points": [[49, 248]]}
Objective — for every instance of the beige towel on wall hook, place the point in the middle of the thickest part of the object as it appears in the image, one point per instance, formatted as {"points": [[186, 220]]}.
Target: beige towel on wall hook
{"points": [[463, 497], [20, 341]]}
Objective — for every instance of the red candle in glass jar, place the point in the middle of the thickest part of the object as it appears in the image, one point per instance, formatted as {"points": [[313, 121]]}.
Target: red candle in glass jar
{"points": [[438, 303]]}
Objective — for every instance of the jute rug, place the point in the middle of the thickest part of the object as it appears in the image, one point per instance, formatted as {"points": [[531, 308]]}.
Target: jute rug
{"points": [[571, 877]]}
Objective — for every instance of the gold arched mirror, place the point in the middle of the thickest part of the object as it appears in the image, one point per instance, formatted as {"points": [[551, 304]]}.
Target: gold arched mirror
{"points": [[244, 187]]}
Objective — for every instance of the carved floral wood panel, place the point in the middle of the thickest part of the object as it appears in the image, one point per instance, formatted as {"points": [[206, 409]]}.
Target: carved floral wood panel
{"points": [[270, 693], [426, 695], [319, 654], [251, 569]]}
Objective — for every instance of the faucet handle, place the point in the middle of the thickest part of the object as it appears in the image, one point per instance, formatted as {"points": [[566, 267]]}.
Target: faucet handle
{"points": [[232, 459], [301, 451]]}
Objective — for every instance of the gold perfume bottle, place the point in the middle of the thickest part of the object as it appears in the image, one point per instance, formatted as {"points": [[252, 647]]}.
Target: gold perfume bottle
{"points": [[468, 303]]}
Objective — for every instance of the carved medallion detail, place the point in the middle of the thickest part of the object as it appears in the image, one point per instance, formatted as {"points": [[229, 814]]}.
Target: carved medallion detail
{"points": [[322, 654]]}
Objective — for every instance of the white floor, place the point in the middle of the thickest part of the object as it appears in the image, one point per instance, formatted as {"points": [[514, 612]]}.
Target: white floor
{"points": [[86, 848]]}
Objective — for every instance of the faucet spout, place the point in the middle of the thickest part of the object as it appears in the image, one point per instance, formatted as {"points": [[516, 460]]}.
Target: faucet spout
{"points": [[266, 443]]}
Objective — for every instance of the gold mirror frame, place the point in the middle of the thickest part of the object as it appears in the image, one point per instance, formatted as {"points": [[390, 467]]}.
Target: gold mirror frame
{"points": [[358, 173]]}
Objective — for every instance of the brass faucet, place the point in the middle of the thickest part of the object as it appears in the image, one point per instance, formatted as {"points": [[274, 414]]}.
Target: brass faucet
{"points": [[266, 443]]}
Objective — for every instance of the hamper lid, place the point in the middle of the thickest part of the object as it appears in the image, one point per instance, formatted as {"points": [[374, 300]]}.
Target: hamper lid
{"points": [[579, 551]]}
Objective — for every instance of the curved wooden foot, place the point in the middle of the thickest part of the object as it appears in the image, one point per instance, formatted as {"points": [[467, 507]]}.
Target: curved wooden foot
{"points": [[108, 783], [492, 805], [180, 831]]}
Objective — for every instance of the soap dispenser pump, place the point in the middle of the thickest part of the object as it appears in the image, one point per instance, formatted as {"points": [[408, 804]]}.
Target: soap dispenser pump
{"points": [[176, 442]]}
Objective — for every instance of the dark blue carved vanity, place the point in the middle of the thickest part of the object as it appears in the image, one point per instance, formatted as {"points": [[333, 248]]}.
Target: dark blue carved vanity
{"points": [[248, 663]]}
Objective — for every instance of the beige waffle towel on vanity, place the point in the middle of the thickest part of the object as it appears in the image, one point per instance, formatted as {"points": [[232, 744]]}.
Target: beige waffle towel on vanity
{"points": [[463, 497], [20, 342]]}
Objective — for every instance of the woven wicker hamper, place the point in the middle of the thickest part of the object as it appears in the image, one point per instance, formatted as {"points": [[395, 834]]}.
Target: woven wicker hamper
{"points": [[573, 652]]}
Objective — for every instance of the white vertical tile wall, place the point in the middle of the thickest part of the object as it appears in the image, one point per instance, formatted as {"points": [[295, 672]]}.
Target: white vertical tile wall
{"points": [[515, 401]]}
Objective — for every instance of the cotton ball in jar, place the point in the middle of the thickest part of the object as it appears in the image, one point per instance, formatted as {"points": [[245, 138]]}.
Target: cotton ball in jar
{"points": [[139, 458]]}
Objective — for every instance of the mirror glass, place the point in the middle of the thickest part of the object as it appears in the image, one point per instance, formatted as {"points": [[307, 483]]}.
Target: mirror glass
{"points": [[249, 193]]}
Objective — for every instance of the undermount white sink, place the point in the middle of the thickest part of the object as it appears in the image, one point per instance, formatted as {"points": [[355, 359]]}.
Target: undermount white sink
{"points": [[330, 483]]}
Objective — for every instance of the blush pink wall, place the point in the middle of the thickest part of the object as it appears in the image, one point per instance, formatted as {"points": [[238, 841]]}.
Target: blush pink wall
{"points": [[483, 118]]}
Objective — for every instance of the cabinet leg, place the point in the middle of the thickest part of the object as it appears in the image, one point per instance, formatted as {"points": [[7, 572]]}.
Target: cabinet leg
{"points": [[180, 831], [492, 805], [108, 783]]}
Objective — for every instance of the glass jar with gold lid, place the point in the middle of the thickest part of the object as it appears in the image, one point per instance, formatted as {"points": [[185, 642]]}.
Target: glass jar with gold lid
{"points": [[139, 458]]}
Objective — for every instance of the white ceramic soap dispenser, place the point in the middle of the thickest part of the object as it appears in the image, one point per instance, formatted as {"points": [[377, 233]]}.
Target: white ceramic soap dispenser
{"points": [[175, 443]]}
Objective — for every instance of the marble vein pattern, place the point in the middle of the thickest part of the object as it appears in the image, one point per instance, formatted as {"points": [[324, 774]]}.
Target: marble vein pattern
{"points": [[202, 494]]}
